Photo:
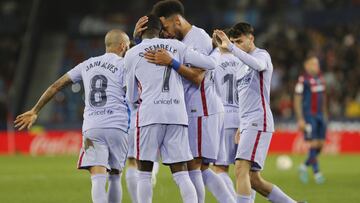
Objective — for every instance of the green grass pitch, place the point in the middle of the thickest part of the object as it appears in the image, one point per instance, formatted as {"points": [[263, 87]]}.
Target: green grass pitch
{"points": [[56, 180]]}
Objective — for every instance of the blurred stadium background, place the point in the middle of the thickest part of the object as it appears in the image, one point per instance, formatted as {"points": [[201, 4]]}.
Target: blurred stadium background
{"points": [[41, 40]]}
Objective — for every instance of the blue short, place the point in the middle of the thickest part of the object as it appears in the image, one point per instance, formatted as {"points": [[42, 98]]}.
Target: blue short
{"points": [[315, 128]]}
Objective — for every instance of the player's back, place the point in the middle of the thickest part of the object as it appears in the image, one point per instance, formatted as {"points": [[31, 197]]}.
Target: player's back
{"points": [[203, 100], [254, 95], [228, 66], [162, 93], [105, 105], [312, 88]]}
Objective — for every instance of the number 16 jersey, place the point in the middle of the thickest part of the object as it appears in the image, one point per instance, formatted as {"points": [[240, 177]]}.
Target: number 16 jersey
{"points": [[103, 79]]}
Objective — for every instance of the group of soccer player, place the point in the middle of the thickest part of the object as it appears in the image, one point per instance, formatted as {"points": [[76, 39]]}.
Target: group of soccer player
{"points": [[196, 102]]}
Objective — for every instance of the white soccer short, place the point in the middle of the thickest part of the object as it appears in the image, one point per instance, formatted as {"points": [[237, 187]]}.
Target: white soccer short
{"points": [[253, 146], [106, 147], [170, 140], [205, 134], [131, 151], [227, 152]]}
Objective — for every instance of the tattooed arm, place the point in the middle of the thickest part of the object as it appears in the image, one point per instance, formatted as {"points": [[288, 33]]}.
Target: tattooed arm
{"points": [[28, 118]]}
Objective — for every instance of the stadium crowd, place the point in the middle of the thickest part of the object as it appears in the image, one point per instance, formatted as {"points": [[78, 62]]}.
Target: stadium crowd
{"points": [[287, 32]]}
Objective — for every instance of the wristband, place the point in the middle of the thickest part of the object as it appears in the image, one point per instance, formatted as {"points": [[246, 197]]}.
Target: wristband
{"points": [[137, 40], [175, 65]]}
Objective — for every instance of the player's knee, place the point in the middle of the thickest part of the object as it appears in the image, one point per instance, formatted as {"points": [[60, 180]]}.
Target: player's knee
{"points": [[177, 167], [114, 172], [194, 164], [145, 165], [242, 168], [132, 162], [220, 169], [255, 180]]}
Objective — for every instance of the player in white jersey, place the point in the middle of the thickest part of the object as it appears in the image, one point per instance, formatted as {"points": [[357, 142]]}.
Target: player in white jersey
{"points": [[161, 117], [256, 121], [203, 105], [105, 126], [227, 67]]}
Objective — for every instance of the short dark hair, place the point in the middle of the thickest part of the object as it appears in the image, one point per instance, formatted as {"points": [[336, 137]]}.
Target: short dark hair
{"points": [[241, 28], [168, 8], [153, 25], [153, 22]]}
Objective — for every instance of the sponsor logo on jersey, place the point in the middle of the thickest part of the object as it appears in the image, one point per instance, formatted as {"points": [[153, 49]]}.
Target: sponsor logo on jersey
{"points": [[167, 101], [101, 112]]}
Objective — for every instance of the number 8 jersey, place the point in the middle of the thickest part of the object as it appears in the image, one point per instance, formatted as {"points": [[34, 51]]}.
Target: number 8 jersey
{"points": [[105, 104]]}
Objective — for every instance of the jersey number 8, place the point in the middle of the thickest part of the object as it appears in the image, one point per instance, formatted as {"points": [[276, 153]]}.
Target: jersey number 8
{"points": [[98, 85]]}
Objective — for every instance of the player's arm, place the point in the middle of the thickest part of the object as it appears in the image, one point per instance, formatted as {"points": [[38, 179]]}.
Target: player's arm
{"points": [[298, 97], [28, 118], [223, 41], [162, 57], [139, 28]]}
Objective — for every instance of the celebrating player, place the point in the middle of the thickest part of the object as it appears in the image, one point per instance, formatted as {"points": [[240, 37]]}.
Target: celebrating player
{"points": [[311, 113], [256, 121], [161, 117], [204, 107], [105, 137]]}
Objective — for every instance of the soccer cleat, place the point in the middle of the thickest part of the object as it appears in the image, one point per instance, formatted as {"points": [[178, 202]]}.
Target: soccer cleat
{"points": [[303, 174], [319, 178]]}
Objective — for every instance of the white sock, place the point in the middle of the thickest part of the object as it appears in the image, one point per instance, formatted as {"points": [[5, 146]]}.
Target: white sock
{"points": [[98, 190], [197, 180], [243, 199], [229, 183], [278, 196], [187, 189], [217, 186], [144, 187], [253, 195], [115, 189], [155, 171], [131, 183]]}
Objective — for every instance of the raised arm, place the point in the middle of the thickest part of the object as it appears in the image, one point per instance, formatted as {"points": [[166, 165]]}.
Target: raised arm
{"points": [[257, 63], [28, 118], [162, 57]]}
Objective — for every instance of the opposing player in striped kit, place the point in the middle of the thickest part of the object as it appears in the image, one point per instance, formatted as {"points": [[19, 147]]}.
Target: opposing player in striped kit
{"points": [[204, 107], [256, 120], [161, 117], [106, 119]]}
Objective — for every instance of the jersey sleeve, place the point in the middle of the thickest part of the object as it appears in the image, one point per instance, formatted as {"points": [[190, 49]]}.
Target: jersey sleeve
{"points": [[299, 87], [258, 63], [132, 93], [75, 73]]}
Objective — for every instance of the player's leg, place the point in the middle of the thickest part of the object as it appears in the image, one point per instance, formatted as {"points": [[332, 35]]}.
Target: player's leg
{"points": [[213, 132], [318, 145], [310, 135], [175, 151], [148, 140], [268, 190], [194, 165], [131, 175], [94, 157], [226, 157], [117, 141]]}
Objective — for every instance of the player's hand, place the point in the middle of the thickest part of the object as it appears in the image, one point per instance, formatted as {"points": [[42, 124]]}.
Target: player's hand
{"points": [[139, 26], [160, 57], [301, 124], [237, 137], [25, 120], [221, 40]]}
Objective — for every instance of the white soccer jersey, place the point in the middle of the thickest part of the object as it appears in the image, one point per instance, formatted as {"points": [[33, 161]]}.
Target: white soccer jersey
{"points": [[227, 68], [201, 100], [158, 88], [105, 104], [253, 87]]}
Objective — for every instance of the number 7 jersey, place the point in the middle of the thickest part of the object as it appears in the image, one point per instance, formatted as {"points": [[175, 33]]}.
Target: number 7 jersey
{"points": [[103, 79]]}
